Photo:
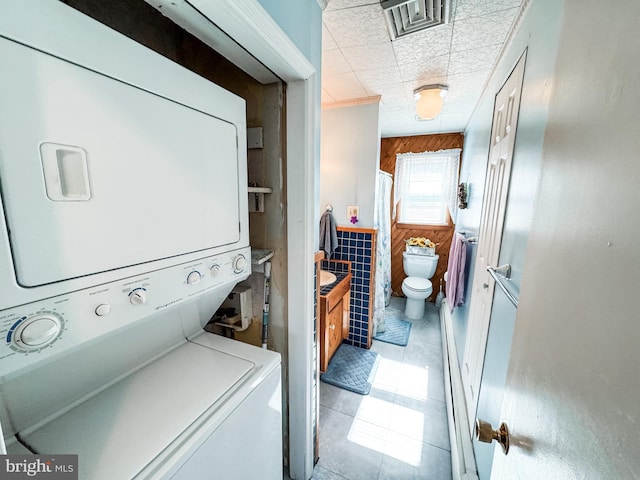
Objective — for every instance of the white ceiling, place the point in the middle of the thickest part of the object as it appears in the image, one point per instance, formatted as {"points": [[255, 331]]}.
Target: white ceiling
{"points": [[359, 60]]}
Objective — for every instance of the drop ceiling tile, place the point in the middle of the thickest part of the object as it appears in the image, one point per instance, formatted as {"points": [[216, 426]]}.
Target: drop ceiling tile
{"points": [[418, 70], [421, 126], [399, 117], [391, 110], [466, 89], [454, 122], [395, 104], [475, 60], [380, 77], [475, 8], [333, 63], [458, 107], [357, 26], [468, 81], [341, 4], [326, 98], [466, 103], [474, 32], [371, 56], [328, 43], [397, 126], [393, 96], [344, 87], [423, 45]]}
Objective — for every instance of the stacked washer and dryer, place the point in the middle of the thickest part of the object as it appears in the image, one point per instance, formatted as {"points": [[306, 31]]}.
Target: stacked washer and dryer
{"points": [[124, 227]]}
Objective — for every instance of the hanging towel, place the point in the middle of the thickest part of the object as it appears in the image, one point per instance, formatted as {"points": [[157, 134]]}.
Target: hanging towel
{"points": [[328, 234], [455, 269]]}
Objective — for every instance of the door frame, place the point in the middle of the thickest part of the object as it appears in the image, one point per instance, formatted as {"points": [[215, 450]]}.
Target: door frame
{"points": [[251, 26]]}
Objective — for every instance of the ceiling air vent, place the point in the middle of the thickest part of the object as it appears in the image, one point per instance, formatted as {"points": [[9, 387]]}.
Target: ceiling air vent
{"points": [[409, 16]]}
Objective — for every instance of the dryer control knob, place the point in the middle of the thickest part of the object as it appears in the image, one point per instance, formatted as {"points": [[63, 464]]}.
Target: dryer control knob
{"points": [[103, 309], [38, 331], [138, 296], [194, 277], [239, 262], [215, 270]]}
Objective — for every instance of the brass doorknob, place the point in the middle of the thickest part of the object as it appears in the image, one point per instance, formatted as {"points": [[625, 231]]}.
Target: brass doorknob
{"points": [[485, 433]]}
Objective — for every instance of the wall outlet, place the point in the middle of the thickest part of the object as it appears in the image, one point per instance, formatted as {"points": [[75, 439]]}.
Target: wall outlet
{"points": [[352, 213]]}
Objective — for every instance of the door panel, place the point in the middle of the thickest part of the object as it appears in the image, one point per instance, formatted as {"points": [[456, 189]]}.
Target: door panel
{"points": [[491, 225]]}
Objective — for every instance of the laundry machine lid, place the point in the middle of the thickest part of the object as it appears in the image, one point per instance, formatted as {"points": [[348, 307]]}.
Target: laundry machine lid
{"points": [[418, 284], [122, 429]]}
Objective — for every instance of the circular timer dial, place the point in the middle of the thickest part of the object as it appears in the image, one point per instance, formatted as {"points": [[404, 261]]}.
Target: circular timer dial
{"points": [[238, 263], [37, 331]]}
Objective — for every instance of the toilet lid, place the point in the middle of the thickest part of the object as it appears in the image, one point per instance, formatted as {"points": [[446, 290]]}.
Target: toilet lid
{"points": [[417, 284]]}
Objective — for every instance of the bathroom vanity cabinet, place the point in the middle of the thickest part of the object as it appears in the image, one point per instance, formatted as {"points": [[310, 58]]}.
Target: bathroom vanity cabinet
{"points": [[334, 319]]}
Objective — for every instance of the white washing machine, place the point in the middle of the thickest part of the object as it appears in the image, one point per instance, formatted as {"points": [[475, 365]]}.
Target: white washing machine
{"points": [[156, 397]]}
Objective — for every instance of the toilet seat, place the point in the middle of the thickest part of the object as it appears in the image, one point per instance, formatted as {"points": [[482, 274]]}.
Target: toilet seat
{"points": [[417, 284]]}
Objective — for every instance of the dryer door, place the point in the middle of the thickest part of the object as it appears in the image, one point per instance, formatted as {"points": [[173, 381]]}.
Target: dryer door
{"points": [[97, 174]]}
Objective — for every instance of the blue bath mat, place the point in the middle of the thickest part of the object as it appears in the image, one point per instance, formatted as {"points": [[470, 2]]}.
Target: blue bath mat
{"points": [[352, 368], [395, 331]]}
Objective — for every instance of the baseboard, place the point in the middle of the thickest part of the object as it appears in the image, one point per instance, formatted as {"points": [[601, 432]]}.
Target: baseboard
{"points": [[463, 463]]}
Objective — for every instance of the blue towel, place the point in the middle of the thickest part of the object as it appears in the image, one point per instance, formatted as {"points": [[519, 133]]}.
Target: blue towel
{"points": [[328, 234]]}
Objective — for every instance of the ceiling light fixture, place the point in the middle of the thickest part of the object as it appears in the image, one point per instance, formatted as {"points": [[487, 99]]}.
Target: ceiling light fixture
{"points": [[429, 100]]}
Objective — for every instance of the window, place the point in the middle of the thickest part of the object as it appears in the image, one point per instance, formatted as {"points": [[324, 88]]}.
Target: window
{"points": [[426, 186]]}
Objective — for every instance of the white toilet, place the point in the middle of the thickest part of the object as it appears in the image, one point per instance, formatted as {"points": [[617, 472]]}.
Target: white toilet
{"points": [[417, 287]]}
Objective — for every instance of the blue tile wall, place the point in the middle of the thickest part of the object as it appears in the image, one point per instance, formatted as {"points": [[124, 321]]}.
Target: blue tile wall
{"points": [[357, 247]]}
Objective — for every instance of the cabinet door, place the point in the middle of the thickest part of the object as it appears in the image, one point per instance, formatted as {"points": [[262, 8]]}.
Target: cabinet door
{"points": [[330, 333], [335, 328], [346, 317]]}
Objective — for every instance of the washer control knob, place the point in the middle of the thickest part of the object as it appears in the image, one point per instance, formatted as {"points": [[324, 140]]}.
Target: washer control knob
{"points": [[238, 263], [215, 270], [194, 277], [138, 296], [103, 309], [38, 331]]}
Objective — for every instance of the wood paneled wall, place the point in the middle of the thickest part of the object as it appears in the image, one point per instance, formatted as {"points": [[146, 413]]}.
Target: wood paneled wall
{"points": [[389, 147]]}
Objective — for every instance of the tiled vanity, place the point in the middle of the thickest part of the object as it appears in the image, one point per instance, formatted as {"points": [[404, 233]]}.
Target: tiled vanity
{"points": [[334, 307]]}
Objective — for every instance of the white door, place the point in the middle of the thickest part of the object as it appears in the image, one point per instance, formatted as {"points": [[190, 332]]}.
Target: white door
{"points": [[572, 395], [505, 119]]}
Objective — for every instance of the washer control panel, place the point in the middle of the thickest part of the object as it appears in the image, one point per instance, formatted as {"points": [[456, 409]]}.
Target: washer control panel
{"points": [[33, 332]]}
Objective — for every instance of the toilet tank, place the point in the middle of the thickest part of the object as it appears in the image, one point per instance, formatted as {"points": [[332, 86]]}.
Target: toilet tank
{"points": [[423, 266]]}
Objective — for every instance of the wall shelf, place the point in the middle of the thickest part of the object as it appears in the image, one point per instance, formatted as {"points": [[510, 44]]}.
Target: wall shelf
{"points": [[260, 255], [260, 190]]}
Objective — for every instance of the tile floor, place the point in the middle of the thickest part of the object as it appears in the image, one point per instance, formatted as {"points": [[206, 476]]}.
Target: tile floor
{"points": [[399, 430]]}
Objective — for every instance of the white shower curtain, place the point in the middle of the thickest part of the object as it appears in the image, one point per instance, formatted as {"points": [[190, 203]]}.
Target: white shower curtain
{"points": [[383, 251]]}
